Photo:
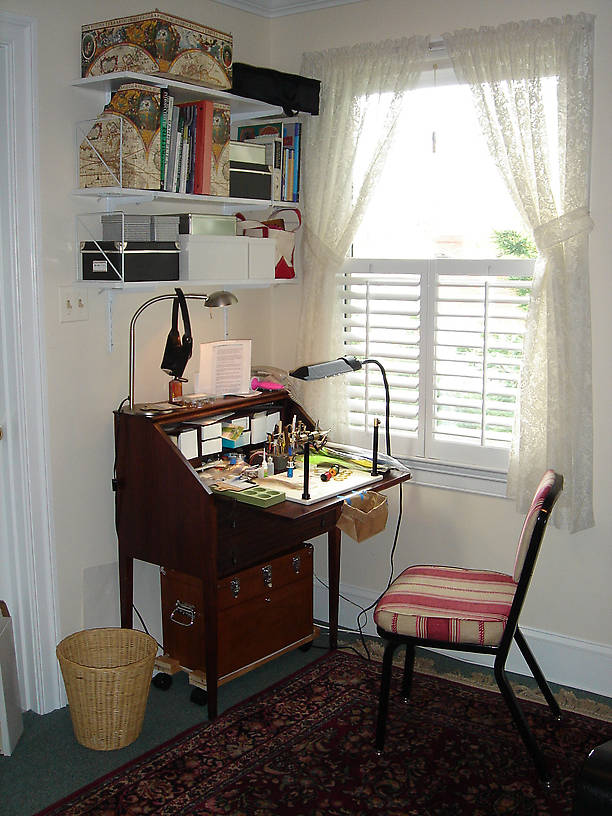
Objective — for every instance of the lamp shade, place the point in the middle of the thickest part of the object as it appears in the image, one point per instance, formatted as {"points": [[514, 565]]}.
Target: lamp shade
{"points": [[221, 298], [318, 371]]}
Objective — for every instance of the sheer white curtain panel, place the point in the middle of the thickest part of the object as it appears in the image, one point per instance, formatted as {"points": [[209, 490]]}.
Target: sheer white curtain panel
{"points": [[507, 69], [344, 150]]}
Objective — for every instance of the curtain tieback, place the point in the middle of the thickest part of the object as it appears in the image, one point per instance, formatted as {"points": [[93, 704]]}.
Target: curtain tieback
{"points": [[563, 228]]}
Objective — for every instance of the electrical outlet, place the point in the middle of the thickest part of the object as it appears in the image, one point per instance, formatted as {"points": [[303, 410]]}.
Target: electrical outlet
{"points": [[73, 304]]}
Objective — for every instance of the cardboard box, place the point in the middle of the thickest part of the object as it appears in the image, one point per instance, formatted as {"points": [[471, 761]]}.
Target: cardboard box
{"points": [[160, 44]]}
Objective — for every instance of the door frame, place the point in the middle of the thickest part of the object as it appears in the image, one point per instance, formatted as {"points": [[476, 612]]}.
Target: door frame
{"points": [[27, 541]]}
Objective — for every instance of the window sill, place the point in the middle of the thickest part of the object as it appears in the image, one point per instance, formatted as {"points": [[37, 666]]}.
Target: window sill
{"points": [[457, 477]]}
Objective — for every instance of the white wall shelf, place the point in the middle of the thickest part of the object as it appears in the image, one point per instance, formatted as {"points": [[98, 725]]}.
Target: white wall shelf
{"points": [[129, 196], [112, 199], [241, 107]]}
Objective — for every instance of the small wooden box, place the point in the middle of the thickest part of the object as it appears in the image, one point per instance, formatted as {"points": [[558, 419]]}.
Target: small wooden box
{"points": [[158, 43], [262, 610]]}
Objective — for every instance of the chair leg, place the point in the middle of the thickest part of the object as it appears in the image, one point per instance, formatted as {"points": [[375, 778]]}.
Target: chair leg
{"points": [[408, 671], [521, 723], [537, 673], [383, 701]]}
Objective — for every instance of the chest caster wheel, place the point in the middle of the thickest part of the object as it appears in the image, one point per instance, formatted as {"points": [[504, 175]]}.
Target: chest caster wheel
{"points": [[162, 681]]}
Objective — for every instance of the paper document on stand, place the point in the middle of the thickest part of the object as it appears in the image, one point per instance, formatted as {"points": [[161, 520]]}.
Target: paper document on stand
{"points": [[225, 367]]}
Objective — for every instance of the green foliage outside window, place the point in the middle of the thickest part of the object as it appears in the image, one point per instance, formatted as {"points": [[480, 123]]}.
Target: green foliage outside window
{"points": [[511, 242]]}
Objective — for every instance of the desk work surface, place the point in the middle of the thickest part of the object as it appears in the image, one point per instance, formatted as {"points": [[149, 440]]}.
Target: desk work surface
{"points": [[293, 487]]}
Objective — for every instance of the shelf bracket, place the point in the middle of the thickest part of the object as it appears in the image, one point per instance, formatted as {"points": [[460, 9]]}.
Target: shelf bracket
{"points": [[110, 296]]}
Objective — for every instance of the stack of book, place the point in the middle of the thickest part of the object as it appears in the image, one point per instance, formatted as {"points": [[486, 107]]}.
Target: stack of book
{"points": [[194, 146], [145, 140], [283, 141]]}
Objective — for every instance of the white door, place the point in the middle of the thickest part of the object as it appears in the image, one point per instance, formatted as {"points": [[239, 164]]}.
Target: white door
{"points": [[27, 581]]}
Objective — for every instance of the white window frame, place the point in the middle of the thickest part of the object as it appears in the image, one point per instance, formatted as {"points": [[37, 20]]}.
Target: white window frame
{"points": [[434, 462]]}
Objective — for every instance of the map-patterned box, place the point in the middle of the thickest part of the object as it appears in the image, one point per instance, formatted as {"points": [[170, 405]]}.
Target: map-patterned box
{"points": [[160, 44]]}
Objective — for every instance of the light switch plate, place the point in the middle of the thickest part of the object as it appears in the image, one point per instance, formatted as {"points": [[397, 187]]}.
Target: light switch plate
{"points": [[73, 303]]}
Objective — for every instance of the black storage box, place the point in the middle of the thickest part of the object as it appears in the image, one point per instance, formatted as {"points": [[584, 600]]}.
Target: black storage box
{"points": [[142, 260], [248, 180], [292, 92]]}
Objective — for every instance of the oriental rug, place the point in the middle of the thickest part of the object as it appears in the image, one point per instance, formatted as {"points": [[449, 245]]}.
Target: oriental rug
{"points": [[304, 747]]}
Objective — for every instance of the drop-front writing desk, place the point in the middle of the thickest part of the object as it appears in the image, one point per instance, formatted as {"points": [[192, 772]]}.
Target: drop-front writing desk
{"points": [[165, 516]]}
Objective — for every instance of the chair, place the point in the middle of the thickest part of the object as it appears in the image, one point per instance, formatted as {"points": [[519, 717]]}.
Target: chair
{"points": [[468, 610]]}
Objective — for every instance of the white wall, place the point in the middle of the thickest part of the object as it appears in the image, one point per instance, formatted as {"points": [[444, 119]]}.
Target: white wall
{"points": [[570, 595]]}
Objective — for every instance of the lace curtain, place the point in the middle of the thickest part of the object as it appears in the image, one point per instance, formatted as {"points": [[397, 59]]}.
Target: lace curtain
{"points": [[505, 68], [343, 154]]}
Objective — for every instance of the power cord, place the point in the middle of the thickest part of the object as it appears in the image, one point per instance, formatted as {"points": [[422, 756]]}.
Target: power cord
{"points": [[144, 626], [364, 611]]}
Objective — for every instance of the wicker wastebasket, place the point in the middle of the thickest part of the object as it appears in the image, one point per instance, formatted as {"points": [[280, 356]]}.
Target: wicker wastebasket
{"points": [[107, 674]]}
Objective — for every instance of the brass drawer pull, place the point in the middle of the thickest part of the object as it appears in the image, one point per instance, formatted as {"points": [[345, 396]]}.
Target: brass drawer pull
{"points": [[235, 587], [296, 562], [267, 575]]}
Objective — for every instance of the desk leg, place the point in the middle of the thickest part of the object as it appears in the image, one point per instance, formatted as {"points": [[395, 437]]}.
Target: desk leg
{"points": [[333, 567], [211, 652], [126, 589]]}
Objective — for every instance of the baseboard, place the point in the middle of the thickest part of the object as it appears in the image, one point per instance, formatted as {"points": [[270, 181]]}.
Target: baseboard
{"points": [[564, 660]]}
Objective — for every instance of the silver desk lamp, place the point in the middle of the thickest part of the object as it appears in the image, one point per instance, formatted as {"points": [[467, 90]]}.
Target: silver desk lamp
{"points": [[213, 300]]}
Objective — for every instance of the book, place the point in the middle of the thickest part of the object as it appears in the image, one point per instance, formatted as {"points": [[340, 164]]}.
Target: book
{"points": [[203, 147], [171, 157], [165, 98]]}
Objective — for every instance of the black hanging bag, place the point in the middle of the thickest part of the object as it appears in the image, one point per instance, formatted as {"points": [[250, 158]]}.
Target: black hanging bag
{"points": [[293, 93], [178, 352]]}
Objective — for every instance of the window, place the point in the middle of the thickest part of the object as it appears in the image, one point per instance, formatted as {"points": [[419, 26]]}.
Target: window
{"points": [[449, 334], [425, 294]]}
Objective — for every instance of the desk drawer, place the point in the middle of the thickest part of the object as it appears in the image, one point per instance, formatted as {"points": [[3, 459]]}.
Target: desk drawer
{"points": [[260, 610], [246, 535]]}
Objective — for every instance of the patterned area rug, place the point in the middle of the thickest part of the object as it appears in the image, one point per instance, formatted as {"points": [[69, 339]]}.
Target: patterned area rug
{"points": [[304, 747]]}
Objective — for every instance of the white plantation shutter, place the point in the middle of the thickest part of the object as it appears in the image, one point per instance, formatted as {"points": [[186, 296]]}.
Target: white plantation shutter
{"points": [[449, 334]]}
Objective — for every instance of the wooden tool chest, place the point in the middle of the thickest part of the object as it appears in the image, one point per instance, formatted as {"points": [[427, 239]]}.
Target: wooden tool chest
{"points": [[262, 610]]}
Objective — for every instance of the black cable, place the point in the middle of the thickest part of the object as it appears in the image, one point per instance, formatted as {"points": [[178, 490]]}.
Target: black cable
{"points": [[365, 610], [144, 626]]}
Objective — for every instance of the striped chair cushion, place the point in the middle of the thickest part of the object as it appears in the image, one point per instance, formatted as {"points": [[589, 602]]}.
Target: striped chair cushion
{"points": [[447, 604]]}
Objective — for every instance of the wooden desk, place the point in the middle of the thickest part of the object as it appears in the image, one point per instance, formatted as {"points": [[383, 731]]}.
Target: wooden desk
{"points": [[165, 516]]}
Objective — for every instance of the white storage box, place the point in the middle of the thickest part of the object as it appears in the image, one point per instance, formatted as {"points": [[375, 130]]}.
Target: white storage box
{"points": [[262, 258], [225, 257], [259, 428], [187, 443], [212, 446], [210, 431]]}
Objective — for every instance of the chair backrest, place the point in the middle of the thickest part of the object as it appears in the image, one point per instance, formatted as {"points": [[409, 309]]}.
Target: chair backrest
{"points": [[551, 485], [547, 493]]}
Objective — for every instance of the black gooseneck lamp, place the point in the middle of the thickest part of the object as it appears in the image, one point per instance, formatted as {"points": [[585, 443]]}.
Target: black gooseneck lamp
{"points": [[344, 365]]}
